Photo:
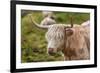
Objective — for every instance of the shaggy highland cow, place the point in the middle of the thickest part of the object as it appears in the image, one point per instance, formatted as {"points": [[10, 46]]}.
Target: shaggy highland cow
{"points": [[73, 42], [47, 13], [48, 21], [49, 18]]}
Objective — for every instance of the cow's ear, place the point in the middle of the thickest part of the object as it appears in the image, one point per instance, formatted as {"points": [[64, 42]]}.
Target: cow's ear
{"points": [[69, 31]]}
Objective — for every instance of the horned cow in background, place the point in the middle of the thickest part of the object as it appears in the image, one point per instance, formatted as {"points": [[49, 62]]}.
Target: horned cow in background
{"points": [[73, 42], [47, 13], [49, 18]]}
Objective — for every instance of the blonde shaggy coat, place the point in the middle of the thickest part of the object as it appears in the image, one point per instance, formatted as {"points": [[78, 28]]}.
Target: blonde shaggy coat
{"points": [[77, 44]]}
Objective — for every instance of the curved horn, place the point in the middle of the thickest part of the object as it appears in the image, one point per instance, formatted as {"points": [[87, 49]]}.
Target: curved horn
{"points": [[37, 25]]}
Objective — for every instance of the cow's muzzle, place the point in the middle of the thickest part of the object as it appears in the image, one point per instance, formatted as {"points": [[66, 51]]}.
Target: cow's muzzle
{"points": [[51, 51]]}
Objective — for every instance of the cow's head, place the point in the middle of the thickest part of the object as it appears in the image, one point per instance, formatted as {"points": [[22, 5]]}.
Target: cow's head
{"points": [[56, 37]]}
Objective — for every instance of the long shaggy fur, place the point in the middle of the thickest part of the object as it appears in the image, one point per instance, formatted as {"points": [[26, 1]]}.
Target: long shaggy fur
{"points": [[77, 44]]}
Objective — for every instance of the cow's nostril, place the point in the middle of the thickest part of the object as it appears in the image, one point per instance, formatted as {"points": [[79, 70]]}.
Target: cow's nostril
{"points": [[51, 51]]}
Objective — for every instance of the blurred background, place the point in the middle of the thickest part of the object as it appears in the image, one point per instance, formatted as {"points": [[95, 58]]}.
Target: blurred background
{"points": [[33, 42]]}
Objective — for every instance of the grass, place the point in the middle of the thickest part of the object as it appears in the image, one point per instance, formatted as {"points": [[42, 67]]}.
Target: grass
{"points": [[33, 42]]}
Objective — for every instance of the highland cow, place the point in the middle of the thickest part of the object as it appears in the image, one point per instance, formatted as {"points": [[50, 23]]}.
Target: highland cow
{"points": [[49, 18]]}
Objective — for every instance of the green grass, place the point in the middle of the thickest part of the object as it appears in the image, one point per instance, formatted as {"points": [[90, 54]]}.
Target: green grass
{"points": [[33, 42]]}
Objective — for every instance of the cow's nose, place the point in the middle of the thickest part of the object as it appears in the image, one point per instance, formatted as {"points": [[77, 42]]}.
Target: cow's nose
{"points": [[50, 51]]}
